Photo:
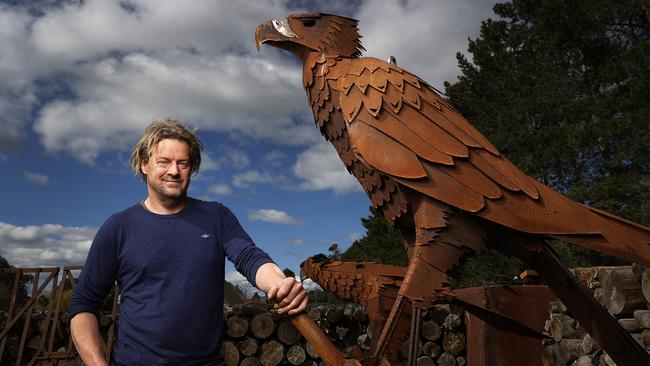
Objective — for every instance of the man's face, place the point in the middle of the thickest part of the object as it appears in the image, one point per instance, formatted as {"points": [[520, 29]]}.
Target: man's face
{"points": [[168, 170]]}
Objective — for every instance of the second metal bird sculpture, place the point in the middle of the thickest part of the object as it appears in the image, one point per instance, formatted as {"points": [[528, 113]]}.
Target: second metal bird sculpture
{"points": [[445, 186]]}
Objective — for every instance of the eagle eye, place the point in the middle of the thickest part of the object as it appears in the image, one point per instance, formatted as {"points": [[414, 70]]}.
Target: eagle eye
{"points": [[308, 22], [282, 26]]}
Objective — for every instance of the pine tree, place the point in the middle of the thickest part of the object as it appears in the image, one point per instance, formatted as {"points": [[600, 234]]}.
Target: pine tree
{"points": [[382, 243], [560, 87]]}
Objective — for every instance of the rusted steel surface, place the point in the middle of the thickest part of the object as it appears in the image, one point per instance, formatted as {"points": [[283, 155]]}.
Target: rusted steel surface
{"points": [[446, 187], [373, 285], [489, 346], [47, 341]]}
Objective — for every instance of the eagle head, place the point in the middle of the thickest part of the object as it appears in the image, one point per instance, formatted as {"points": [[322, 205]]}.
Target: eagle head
{"points": [[309, 266], [303, 33]]}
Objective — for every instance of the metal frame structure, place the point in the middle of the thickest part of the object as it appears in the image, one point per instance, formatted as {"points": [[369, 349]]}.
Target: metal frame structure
{"points": [[45, 353]]}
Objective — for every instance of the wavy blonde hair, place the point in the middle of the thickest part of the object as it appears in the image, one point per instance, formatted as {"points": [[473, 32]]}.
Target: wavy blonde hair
{"points": [[160, 129]]}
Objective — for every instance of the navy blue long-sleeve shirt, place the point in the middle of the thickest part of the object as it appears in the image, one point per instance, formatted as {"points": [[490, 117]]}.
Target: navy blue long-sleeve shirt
{"points": [[170, 272]]}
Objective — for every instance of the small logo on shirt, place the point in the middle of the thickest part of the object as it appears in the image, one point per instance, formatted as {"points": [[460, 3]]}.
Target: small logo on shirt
{"points": [[205, 236]]}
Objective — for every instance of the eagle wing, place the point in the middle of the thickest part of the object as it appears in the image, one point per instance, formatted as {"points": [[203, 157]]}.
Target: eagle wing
{"points": [[400, 126]]}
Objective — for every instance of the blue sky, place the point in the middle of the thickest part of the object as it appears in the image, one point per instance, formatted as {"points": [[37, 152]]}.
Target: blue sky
{"points": [[82, 79]]}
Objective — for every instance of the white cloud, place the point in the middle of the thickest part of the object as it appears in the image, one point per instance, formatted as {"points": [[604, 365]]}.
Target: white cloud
{"points": [[84, 31], [423, 35], [196, 63], [14, 112], [49, 245], [226, 157], [274, 157], [16, 72], [224, 93], [220, 189], [22, 234], [238, 158], [245, 179], [235, 277], [110, 69], [298, 241], [208, 163], [238, 280], [320, 168], [310, 285], [272, 216], [37, 179], [352, 237]]}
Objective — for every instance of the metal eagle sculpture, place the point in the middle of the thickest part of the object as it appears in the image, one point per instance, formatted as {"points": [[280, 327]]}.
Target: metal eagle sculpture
{"points": [[443, 184]]}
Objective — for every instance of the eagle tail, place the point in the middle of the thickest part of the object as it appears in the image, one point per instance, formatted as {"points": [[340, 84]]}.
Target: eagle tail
{"points": [[617, 237]]}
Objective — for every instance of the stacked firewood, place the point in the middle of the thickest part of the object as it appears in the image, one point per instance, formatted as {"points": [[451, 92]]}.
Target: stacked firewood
{"points": [[624, 291], [442, 338], [257, 335]]}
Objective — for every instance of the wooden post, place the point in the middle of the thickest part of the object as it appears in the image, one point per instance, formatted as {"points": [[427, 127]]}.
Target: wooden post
{"points": [[315, 336]]}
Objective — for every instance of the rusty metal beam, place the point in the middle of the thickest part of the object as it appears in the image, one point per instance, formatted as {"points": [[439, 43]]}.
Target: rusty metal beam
{"points": [[12, 303], [45, 354], [28, 316], [29, 303], [41, 345]]}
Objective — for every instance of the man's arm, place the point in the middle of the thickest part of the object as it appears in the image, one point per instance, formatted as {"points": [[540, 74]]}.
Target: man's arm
{"points": [[85, 334], [287, 292], [95, 282]]}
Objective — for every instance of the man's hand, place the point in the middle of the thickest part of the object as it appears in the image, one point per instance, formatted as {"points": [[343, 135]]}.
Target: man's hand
{"points": [[286, 292], [289, 295]]}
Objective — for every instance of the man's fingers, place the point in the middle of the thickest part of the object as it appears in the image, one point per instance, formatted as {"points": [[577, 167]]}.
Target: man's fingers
{"points": [[271, 295], [291, 297], [300, 309], [285, 288], [298, 305], [291, 303], [281, 290]]}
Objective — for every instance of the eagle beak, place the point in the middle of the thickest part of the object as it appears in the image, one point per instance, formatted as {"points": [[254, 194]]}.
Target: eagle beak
{"points": [[264, 33], [277, 31], [303, 275]]}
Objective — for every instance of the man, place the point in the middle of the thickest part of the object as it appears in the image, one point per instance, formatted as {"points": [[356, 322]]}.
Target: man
{"points": [[167, 255]]}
